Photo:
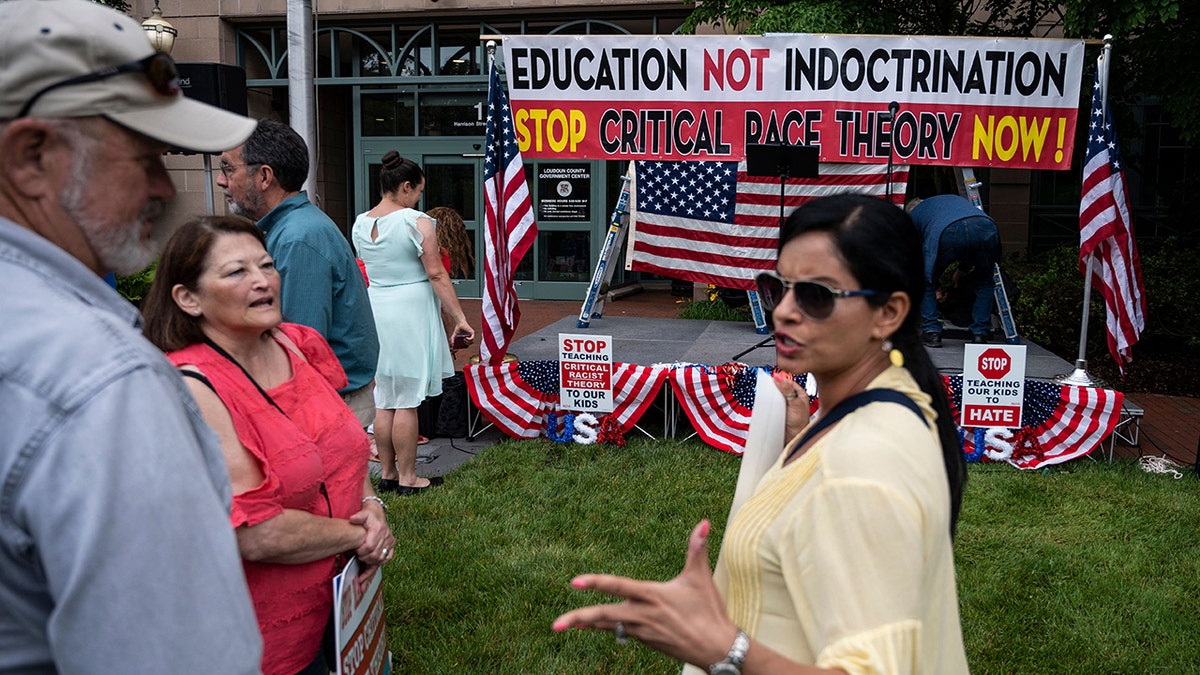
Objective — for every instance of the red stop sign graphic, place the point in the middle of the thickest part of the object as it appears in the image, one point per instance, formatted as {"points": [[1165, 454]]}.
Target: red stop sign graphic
{"points": [[994, 363]]}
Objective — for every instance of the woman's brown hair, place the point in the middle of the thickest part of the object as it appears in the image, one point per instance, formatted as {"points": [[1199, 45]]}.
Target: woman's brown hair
{"points": [[182, 262], [452, 236]]}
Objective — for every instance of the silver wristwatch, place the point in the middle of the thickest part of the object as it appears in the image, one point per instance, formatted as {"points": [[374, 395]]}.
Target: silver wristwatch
{"points": [[732, 665]]}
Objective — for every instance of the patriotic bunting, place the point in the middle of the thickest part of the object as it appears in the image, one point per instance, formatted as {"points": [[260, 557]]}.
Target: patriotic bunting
{"points": [[517, 396], [1061, 422]]}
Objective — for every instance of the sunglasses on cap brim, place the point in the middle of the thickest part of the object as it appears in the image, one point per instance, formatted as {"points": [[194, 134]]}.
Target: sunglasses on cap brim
{"points": [[159, 69]]}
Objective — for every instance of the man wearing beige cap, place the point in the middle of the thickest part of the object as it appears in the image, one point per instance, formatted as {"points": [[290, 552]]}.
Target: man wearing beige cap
{"points": [[116, 551]]}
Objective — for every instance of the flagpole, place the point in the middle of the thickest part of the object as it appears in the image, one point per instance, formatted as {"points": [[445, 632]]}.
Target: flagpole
{"points": [[510, 229], [499, 242], [1080, 377]]}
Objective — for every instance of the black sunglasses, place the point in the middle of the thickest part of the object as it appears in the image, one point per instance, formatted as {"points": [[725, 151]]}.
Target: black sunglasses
{"points": [[814, 298], [159, 69]]}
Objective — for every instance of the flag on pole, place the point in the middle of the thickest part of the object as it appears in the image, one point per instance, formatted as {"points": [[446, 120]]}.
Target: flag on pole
{"points": [[713, 223], [1106, 231], [509, 228]]}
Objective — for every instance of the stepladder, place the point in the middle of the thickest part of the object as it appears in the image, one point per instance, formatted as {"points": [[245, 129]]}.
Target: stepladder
{"points": [[593, 302]]}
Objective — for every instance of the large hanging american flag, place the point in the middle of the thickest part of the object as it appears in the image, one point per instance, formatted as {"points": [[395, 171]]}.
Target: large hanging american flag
{"points": [[509, 228], [1106, 234], [713, 223]]}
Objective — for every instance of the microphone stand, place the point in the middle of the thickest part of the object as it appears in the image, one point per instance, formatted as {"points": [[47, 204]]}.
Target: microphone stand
{"points": [[893, 108]]}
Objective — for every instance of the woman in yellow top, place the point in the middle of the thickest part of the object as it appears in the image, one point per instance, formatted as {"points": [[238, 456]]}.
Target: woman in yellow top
{"points": [[841, 560]]}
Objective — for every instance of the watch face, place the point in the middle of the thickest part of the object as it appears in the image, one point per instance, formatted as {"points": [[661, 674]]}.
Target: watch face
{"points": [[724, 668]]}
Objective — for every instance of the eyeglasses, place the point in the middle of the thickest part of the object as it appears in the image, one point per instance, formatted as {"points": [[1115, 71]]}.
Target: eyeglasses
{"points": [[814, 298], [227, 169], [159, 69]]}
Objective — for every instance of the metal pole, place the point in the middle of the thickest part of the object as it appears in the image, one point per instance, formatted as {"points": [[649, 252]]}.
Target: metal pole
{"points": [[301, 108], [1080, 377], [208, 180]]}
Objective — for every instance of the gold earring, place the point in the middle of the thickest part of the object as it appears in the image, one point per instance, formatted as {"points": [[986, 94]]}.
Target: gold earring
{"points": [[894, 355]]}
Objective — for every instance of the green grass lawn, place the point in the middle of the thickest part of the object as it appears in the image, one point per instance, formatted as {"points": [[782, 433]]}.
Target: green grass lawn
{"points": [[1087, 568]]}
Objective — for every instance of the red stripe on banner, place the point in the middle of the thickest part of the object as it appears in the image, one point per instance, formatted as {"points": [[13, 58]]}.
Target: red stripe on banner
{"points": [[768, 243], [698, 276], [734, 261], [634, 389]]}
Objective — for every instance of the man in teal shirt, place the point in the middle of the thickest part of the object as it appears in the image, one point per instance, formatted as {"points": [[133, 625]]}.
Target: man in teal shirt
{"points": [[321, 284]]}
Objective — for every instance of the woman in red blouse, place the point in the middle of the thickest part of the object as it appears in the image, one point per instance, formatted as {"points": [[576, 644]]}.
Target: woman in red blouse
{"points": [[296, 454]]}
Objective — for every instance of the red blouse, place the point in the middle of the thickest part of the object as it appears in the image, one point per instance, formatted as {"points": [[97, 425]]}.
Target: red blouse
{"points": [[317, 446]]}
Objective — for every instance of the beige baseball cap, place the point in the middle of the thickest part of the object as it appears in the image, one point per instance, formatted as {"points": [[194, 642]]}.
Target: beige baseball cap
{"points": [[45, 42]]}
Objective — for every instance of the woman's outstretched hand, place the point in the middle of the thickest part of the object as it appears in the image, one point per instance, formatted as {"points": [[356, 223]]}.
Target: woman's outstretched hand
{"points": [[683, 618]]}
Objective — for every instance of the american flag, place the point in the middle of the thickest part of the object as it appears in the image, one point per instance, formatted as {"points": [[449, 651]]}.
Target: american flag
{"points": [[712, 223], [517, 396], [1106, 232], [509, 228]]}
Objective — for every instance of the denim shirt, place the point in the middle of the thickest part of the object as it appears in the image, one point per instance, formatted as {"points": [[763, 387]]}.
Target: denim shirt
{"points": [[932, 216], [322, 286], [116, 550]]}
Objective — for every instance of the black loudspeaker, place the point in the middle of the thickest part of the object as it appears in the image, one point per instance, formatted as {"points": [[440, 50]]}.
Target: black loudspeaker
{"points": [[216, 84]]}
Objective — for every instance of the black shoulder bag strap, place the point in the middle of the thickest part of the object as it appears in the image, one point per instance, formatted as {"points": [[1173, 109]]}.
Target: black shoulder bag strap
{"points": [[217, 348], [850, 405]]}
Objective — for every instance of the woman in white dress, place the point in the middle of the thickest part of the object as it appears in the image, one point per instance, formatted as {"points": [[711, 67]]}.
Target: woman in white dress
{"points": [[410, 290]]}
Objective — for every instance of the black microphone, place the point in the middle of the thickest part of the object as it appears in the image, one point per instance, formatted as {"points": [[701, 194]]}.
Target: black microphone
{"points": [[893, 108]]}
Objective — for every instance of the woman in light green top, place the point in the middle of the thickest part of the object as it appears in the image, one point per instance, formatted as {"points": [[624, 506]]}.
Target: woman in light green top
{"points": [[410, 291]]}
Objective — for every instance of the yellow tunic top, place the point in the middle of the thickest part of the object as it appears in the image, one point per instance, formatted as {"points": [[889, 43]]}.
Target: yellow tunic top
{"points": [[843, 558]]}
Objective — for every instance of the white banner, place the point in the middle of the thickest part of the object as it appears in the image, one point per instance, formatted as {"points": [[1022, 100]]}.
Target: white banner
{"points": [[962, 101]]}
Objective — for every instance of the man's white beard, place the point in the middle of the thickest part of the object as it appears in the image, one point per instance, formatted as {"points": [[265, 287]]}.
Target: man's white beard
{"points": [[118, 247]]}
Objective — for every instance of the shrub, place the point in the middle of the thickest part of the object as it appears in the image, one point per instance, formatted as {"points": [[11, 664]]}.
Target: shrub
{"points": [[1049, 309], [1171, 274], [135, 286], [713, 310]]}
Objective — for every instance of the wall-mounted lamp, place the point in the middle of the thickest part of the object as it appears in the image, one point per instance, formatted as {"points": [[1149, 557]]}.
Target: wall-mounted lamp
{"points": [[161, 33]]}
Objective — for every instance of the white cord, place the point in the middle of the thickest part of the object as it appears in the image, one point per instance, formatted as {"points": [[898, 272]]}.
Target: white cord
{"points": [[1160, 465]]}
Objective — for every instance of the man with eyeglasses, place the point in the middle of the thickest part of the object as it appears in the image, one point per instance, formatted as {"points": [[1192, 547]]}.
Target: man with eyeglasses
{"points": [[116, 550], [954, 230], [321, 285]]}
